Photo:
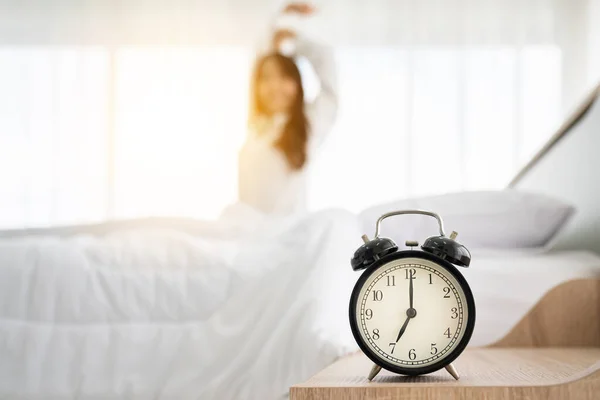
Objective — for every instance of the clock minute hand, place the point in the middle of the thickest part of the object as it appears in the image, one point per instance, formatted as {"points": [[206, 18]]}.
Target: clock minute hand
{"points": [[402, 329], [410, 292]]}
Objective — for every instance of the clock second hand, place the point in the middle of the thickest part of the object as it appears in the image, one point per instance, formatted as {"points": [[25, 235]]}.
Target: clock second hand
{"points": [[410, 313]]}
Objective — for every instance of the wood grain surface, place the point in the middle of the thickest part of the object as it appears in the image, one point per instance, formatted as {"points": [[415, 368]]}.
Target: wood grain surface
{"points": [[494, 373], [552, 353]]}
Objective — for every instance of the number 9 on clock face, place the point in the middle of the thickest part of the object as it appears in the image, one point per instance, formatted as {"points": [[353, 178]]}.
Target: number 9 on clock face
{"points": [[412, 315]]}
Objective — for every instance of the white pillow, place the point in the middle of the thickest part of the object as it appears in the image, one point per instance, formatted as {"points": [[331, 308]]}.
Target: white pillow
{"points": [[484, 219]]}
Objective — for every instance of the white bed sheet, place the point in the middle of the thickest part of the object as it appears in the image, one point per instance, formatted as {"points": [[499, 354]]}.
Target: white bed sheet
{"points": [[506, 285]]}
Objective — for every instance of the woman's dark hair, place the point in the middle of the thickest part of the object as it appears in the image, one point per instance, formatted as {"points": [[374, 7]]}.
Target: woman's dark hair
{"points": [[292, 142]]}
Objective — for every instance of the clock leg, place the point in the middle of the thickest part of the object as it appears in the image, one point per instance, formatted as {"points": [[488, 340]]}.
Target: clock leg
{"points": [[452, 371], [374, 371]]}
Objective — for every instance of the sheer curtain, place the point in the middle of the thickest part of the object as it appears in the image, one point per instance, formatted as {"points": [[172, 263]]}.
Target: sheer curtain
{"points": [[53, 135], [432, 120], [121, 109]]}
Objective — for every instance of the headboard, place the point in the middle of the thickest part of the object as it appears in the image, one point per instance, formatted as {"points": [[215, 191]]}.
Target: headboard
{"points": [[568, 167]]}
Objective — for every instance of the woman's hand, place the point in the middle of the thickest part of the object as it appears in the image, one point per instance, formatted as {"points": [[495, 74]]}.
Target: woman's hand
{"points": [[280, 35], [299, 8]]}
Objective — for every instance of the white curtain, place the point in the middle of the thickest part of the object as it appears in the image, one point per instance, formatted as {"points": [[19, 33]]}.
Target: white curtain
{"points": [[113, 109]]}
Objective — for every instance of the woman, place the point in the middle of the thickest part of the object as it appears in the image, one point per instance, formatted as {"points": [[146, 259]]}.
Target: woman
{"points": [[284, 132]]}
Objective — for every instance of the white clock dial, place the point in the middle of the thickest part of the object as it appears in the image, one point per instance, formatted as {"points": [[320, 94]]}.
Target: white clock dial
{"points": [[417, 336]]}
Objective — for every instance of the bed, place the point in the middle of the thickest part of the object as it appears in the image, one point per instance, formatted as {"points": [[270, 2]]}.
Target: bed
{"points": [[507, 285], [159, 313]]}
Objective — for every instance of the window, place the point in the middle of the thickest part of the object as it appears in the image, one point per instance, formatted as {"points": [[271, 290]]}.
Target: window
{"points": [[431, 120], [156, 131], [53, 124]]}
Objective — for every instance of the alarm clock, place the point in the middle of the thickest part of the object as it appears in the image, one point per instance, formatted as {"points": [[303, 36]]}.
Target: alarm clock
{"points": [[411, 311]]}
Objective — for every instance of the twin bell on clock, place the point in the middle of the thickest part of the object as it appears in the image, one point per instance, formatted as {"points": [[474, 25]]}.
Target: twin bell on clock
{"points": [[411, 311]]}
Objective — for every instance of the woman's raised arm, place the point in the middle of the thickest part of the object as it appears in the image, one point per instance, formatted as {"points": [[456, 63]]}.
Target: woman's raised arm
{"points": [[323, 111]]}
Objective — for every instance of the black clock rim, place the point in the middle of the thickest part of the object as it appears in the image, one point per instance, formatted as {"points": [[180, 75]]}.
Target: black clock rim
{"points": [[469, 326]]}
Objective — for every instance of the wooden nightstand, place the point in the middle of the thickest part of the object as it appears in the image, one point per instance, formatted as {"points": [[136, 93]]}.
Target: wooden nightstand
{"points": [[552, 353]]}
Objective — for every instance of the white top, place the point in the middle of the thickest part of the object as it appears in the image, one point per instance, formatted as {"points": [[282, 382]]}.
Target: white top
{"points": [[266, 182]]}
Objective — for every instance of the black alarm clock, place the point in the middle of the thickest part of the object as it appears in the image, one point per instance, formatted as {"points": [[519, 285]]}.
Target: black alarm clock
{"points": [[412, 312]]}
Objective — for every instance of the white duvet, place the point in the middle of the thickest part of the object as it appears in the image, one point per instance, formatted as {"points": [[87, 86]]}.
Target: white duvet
{"points": [[234, 313]]}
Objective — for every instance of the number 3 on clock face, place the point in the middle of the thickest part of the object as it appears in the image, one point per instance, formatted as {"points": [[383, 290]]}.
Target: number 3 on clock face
{"points": [[412, 315]]}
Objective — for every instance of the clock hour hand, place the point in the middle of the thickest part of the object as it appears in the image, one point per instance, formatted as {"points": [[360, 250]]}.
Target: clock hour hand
{"points": [[402, 329]]}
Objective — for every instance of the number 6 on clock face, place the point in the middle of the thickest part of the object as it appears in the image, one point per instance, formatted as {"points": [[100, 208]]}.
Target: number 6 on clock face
{"points": [[412, 314]]}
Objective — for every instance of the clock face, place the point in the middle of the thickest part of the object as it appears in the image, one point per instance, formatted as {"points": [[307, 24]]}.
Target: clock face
{"points": [[412, 315]]}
